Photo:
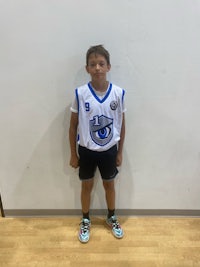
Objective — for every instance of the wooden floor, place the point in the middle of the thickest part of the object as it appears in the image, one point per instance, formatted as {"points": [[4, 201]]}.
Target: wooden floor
{"points": [[148, 242]]}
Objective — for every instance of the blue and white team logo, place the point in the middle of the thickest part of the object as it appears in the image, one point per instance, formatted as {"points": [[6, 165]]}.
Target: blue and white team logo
{"points": [[101, 129], [113, 105]]}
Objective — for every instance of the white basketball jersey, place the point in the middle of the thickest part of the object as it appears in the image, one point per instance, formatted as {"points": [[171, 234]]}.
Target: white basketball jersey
{"points": [[100, 119]]}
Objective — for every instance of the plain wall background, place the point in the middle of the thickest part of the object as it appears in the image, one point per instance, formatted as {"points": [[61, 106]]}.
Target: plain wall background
{"points": [[155, 57]]}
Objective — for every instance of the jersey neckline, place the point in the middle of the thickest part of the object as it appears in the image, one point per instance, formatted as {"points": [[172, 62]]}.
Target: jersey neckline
{"points": [[96, 96]]}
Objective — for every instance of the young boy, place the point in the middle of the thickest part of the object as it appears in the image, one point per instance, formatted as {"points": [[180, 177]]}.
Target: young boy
{"points": [[98, 119]]}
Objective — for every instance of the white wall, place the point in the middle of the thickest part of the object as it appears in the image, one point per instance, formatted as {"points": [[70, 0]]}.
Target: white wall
{"points": [[155, 56]]}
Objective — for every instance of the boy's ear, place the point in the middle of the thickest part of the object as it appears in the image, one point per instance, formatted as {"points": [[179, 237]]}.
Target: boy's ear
{"points": [[108, 67], [86, 67]]}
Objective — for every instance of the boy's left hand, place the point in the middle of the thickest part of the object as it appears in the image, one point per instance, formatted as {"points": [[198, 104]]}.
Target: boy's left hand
{"points": [[119, 159]]}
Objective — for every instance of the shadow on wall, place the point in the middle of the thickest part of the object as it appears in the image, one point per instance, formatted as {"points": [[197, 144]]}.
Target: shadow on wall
{"points": [[48, 182]]}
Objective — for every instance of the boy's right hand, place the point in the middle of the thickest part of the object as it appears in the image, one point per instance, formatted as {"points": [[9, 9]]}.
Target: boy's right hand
{"points": [[74, 162]]}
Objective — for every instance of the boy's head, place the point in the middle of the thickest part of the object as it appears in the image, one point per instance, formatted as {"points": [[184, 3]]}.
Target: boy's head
{"points": [[98, 50]]}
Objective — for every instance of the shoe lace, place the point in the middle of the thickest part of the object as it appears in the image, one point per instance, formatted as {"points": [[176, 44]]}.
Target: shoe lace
{"points": [[115, 224], [85, 226]]}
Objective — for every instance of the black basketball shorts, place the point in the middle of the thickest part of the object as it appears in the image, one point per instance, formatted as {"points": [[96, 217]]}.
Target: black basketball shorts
{"points": [[104, 160]]}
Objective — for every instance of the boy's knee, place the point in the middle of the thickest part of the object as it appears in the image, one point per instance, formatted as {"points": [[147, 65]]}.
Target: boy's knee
{"points": [[109, 186], [87, 185]]}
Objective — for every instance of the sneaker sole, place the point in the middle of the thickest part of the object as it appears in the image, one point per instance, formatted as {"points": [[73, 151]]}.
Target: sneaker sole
{"points": [[83, 241]]}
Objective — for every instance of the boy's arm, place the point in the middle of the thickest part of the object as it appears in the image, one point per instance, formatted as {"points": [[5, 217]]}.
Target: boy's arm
{"points": [[121, 142], [74, 159]]}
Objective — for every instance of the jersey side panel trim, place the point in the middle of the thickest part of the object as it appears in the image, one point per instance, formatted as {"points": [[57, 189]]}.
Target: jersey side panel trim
{"points": [[76, 91]]}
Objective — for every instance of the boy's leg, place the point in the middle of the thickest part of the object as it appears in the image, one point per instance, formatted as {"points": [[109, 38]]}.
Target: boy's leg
{"points": [[111, 218], [86, 189], [87, 169], [109, 187]]}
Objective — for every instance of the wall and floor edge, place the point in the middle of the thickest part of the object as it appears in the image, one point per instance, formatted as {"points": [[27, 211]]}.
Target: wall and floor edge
{"points": [[98, 212]]}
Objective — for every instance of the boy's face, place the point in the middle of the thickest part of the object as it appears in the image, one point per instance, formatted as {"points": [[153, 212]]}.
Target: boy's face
{"points": [[97, 67]]}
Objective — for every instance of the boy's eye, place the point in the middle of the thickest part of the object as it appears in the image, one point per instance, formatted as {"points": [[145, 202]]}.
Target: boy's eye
{"points": [[101, 64]]}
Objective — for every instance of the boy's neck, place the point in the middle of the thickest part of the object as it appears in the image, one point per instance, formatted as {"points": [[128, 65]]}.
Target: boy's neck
{"points": [[100, 86]]}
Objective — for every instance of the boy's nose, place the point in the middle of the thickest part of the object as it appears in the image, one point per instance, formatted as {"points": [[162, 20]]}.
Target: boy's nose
{"points": [[97, 66]]}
